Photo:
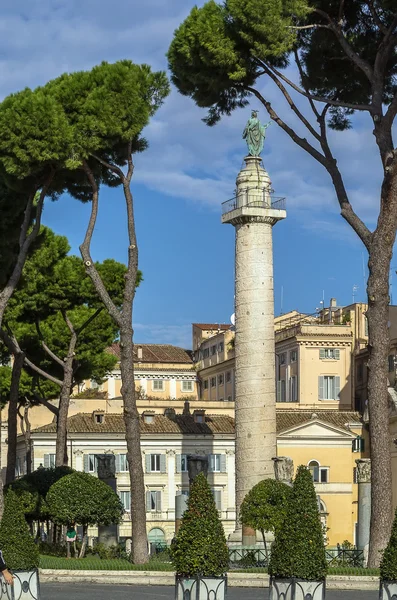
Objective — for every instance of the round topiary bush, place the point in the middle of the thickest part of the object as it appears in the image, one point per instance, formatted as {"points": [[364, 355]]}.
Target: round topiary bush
{"points": [[265, 506], [200, 546], [84, 499], [298, 550], [18, 547], [388, 565]]}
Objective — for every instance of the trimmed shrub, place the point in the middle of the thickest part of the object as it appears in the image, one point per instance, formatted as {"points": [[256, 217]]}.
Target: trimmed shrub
{"points": [[84, 499], [388, 565], [265, 506], [200, 546], [19, 549], [299, 550]]}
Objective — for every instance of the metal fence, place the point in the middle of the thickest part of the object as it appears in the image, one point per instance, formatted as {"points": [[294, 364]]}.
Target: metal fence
{"points": [[263, 200], [244, 558]]}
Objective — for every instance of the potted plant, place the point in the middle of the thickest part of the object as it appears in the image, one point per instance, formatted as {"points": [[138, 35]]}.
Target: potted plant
{"points": [[298, 565], [20, 553], [199, 552], [264, 508], [388, 566]]}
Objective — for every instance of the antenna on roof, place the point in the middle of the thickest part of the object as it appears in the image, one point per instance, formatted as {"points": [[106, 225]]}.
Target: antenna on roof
{"points": [[281, 300]]}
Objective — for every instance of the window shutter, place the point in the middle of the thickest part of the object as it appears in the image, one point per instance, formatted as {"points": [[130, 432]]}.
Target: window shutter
{"points": [[158, 501], [178, 463], [118, 463], [148, 507], [223, 463], [128, 501], [210, 463], [321, 387], [362, 445], [278, 391], [337, 387], [322, 352], [337, 353], [218, 499], [163, 463], [46, 461], [86, 463], [147, 463]]}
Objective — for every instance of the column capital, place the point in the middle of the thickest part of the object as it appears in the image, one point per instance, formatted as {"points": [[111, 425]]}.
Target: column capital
{"points": [[283, 468], [363, 470]]}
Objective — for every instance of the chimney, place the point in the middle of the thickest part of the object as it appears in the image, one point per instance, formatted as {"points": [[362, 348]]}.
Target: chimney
{"points": [[199, 416], [333, 303], [170, 413], [98, 417], [139, 352], [186, 408]]}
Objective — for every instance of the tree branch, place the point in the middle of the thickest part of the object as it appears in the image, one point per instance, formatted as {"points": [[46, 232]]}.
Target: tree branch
{"points": [[109, 166], [89, 320], [354, 57], [47, 404], [366, 107], [376, 18], [86, 255], [46, 349]]}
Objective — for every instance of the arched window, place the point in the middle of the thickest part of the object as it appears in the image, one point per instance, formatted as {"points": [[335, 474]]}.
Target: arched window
{"points": [[314, 468], [156, 536], [319, 474]]}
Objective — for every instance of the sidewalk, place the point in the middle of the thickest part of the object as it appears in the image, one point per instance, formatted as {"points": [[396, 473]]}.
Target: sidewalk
{"points": [[166, 578]]}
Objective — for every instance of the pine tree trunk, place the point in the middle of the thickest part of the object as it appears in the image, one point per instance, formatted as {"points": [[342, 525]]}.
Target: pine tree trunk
{"points": [[83, 541], [61, 455], [13, 417]]}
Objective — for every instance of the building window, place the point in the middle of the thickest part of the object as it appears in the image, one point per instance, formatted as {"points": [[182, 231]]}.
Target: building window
{"points": [[358, 444], [221, 346], [153, 501], [281, 391], [181, 463], [293, 389], [217, 463], [99, 418], [187, 386], [206, 384], [213, 350], [213, 381], [155, 463], [391, 363], [330, 353], [49, 461], [293, 356], [125, 497], [228, 376], [90, 463], [319, 474], [206, 352], [121, 463], [328, 387], [220, 379], [158, 385], [282, 358], [218, 498]]}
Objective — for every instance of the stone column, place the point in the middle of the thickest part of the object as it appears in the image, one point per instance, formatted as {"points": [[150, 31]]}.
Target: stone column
{"points": [[364, 504], [253, 216], [283, 469], [107, 534]]}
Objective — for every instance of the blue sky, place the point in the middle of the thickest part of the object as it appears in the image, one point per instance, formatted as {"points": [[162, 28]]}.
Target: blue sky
{"points": [[186, 255]]}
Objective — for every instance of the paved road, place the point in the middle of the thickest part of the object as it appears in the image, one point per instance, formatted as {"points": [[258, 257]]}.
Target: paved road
{"points": [[136, 592]]}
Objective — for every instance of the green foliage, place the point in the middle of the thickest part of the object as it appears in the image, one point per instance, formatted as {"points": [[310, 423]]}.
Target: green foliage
{"points": [[220, 50], [200, 546], [84, 499], [32, 490], [298, 549], [92, 563], [264, 507], [19, 549], [388, 565]]}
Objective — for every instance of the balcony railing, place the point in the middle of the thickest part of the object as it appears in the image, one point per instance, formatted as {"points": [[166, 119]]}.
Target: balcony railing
{"points": [[254, 198]]}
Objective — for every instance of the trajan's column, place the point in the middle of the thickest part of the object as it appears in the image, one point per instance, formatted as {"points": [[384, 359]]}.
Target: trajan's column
{"points": [[253, 212]]}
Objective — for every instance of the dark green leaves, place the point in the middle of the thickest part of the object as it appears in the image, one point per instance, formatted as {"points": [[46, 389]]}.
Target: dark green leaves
{"points": [[264, 507], [16, 543]]}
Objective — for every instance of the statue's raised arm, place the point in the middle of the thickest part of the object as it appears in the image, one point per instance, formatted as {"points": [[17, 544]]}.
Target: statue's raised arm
{"points": [[254, 134]]}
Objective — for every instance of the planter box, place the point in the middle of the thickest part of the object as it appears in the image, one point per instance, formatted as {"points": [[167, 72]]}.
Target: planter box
{"points": [[26, 586], [296, 589], [200, 588], [388, 590]]}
